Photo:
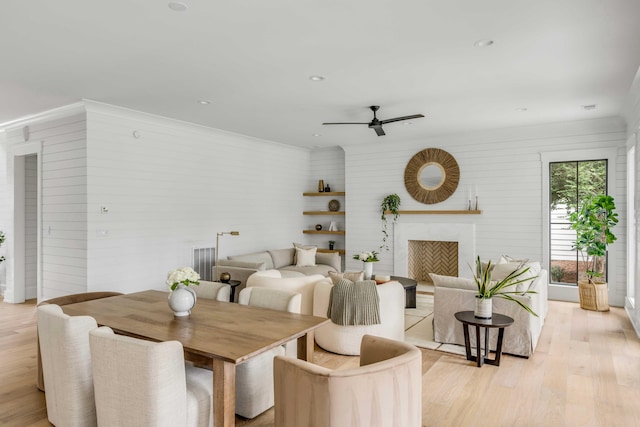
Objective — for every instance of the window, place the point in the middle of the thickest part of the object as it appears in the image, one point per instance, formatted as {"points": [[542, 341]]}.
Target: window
{"points": [[570, 182]]}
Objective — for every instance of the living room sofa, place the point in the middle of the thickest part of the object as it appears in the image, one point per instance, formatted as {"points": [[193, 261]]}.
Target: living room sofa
{"points": [[240, 267], [453, 294]]}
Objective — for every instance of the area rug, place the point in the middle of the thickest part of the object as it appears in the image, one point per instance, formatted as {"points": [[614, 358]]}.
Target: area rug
{"points": [[418, 326]]}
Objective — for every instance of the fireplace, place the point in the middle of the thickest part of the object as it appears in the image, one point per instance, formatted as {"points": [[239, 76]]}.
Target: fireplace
{"points": [[441, 248]]}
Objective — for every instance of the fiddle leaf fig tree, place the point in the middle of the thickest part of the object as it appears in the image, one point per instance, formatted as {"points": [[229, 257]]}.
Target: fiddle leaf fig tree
{"points": [[391, 204], [593, 222]]}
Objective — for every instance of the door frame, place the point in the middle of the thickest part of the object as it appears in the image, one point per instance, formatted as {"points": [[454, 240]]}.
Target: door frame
{"points": [[16, 289]]}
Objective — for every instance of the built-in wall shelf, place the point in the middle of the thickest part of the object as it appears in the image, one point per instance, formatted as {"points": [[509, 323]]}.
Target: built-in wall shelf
{"points": [[435, 212], [323, 213], [322, 232], [326, 193], [329, 251]]}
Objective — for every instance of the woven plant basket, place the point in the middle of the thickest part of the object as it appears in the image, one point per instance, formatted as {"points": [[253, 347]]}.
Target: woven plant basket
{"points": [[594, 296]]}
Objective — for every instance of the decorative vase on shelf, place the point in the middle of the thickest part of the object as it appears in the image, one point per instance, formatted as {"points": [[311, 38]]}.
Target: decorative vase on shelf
{"points": [[368, 270], [182, 300], [483, 308]]}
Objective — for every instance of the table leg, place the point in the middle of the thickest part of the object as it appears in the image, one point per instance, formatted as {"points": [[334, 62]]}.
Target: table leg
{"points": [[499, 346], [486, 342], [478, 349], [305, 347], [224, 393], [467, 342]]}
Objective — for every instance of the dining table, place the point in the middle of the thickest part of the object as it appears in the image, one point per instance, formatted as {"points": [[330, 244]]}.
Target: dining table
{"points": [[218, 335]]}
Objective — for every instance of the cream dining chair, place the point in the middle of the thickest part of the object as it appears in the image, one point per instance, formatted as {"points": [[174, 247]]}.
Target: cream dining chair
{"points": [[144, 383], [385, 391], [66, 366], [254, 378]]}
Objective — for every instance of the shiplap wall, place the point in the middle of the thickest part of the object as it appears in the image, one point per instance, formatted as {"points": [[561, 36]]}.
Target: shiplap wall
{"points": [[505, 166], [31, 221], [174, 187], [5, 214], [64, 266]]}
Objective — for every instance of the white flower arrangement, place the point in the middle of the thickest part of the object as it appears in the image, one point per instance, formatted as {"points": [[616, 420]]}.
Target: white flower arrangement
{"points": [[367, 256], [185, 275]]}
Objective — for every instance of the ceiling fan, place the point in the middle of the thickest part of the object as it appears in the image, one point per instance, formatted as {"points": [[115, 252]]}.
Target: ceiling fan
{"points": [[376, 124]]}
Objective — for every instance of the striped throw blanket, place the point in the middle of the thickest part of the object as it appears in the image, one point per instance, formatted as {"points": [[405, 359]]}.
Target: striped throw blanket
{"points": [[354, 303]]}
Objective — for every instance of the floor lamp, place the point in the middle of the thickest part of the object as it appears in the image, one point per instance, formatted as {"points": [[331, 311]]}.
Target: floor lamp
{"points": [[233, 233]]}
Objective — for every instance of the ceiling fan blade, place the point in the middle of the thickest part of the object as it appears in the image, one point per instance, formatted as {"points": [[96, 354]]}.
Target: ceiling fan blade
{"points": [[378, 129], [347, 123], [397, 119]]}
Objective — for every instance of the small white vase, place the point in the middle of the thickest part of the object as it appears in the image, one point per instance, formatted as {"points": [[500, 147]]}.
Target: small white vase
{"points": [[368, 270], [182, 300], [483, 308]]}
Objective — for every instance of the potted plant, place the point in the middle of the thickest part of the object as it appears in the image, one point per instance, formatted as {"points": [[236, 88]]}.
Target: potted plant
{"points": [[182, 299], [331, 244], [505, 288], [2, 237], [368, 258], [593, 222], [390, 204]]}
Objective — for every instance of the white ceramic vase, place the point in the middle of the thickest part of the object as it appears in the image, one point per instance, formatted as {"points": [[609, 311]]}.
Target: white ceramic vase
{"points": [[368, 270], [182, 300], [483, 308]]}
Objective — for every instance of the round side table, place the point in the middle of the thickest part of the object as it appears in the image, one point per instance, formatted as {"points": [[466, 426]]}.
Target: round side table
{"points": [[499, 321]]}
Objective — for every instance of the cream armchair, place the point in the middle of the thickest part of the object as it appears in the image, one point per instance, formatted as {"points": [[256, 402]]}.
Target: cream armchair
{"points": [[386, 390], [304, 285], [213, 290], [346, 339]]}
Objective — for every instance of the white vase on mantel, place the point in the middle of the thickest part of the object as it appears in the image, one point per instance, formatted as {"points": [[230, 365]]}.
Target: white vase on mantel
{"points": [[368, 270], [483, 308], [182, 300]]}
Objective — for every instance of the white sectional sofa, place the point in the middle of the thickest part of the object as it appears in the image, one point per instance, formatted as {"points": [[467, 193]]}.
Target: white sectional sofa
{"points": [[452, 294], [240, 267]]}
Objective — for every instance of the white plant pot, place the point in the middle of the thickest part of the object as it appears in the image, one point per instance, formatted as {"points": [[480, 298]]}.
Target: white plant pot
{"points": [[368, 270], [182, 300], [483, 308]]}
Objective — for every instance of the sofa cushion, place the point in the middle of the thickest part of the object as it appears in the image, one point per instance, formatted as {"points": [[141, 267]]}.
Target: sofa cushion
{"points": [[306, 257], [318, 269], [242, 264], [503, 269], [255, 257], [330, 258], [282, 257], [354, 276], [453, 282]]}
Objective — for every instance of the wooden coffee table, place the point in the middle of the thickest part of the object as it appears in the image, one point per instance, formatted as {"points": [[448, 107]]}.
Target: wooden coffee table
{"points": [[499, 321]]}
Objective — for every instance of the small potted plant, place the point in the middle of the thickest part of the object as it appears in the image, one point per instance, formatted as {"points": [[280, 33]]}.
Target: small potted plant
{"points": [[367, 258], [505, 288], [182, 299], [593, 223], [331, 244], [390, 204]]}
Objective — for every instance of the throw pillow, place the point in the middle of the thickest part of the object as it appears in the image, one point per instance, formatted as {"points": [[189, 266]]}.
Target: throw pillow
{"points": [[300, 246], [502, 270], [453, 282], [306, 257], [282, 257], [354, 276]]}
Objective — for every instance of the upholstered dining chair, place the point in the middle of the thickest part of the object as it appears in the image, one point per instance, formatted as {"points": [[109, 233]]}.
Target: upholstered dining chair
{"points": [[66, 365], [213, 290], [386, 390], [254, 378], [60, 301], [144, 383]]}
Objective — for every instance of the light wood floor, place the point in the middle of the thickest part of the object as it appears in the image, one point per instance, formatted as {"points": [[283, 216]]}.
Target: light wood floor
{"points": [[585, 372]]}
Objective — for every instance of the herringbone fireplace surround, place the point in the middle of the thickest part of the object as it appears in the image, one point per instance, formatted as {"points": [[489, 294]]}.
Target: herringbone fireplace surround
{"points": [[427, 256], [442, 248]]}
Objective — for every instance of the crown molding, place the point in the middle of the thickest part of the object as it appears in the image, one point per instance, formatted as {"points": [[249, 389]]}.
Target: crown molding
{"points": [[55, 113]]}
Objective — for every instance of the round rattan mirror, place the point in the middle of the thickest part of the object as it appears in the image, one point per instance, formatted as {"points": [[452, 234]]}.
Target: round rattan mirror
{"points": [[431, 176]]}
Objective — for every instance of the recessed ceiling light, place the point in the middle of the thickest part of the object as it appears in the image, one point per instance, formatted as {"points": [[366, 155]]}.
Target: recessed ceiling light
{"points": [[316, 78], [522, 109], [407, 123], [589, 107], [204, 102], [177, 6], [317, 134], [483, 43]]}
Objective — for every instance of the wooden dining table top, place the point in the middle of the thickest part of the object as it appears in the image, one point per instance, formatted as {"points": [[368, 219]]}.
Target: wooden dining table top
{"points": [[215, 330]]}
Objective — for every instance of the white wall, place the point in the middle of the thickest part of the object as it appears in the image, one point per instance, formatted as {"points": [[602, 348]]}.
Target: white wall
{"points": [[505, 165], [632, 117], [174, 187], [31, 223]]}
